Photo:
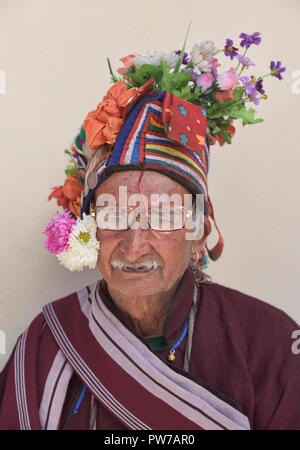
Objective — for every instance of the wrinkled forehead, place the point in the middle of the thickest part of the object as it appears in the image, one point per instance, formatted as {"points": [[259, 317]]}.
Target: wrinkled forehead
{"points": [[149, 181]]}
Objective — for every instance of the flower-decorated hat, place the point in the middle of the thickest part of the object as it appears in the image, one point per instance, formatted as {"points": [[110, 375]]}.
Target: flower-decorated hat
{"points": [[162, 113]]}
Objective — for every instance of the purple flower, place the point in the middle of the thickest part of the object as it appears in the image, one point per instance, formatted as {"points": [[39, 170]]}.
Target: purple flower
{"points": [[249, 39], [255, 99], [229, 49], [276, 69], [185, 59], [245, 61], [249, 85], [58, 232], [250, 88], [259, 87], [195, 75]]}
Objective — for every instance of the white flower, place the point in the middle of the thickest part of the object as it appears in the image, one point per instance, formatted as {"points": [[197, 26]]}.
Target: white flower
{"points": [[151, 57], [202, 55], [208, 49], [83, 245], [171, 58]]}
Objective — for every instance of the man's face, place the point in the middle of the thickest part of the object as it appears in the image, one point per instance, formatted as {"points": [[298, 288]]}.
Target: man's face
{"points": [[124, 252]]}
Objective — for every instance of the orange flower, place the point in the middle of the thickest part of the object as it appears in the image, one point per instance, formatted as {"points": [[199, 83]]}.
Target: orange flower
{"points": [[220, 139], [112, 129], [127, 63], [72, 187], [231, 130], [102, 125], [61, 199], [99, 128], [94, 135], [116, 90], [221, 96], [212, 139], [69, 195], [74, 206]]}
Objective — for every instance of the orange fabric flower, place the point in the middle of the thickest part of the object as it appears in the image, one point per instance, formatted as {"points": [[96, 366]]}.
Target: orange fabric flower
{"points": [[116, 90], [220, 139], [61, 199], [127, 63], [221, 96], [74, 206], [94, 135], [102, 125], [231, 130], [212, 139], [69, 195], [72, 187], [98, 125]]}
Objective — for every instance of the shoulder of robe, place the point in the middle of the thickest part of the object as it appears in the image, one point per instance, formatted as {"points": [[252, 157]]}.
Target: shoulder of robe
{"points": [[248, 315]]}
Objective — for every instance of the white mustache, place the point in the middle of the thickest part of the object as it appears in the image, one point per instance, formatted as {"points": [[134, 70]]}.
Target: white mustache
{"points": [[117, 263]]}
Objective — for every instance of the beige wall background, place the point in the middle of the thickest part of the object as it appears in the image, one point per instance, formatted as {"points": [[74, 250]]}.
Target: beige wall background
{"points": [[53, 55]]}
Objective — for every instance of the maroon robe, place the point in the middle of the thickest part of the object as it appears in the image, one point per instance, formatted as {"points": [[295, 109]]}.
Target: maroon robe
{"points": [[241, 350]]}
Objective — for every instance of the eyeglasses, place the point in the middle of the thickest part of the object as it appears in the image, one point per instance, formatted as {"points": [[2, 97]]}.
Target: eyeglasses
{"points": [[168, 218]]}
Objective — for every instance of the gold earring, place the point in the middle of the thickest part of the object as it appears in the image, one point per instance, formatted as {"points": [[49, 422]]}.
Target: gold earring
{"points": [[196, 257], [92, 210]]}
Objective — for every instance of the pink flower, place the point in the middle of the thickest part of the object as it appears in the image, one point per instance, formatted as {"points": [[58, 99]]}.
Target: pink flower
{"points": [[227, 80], [205, 80], [58, 232], [213, 65]]}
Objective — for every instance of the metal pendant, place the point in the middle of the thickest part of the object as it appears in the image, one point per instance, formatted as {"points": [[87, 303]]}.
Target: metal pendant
{"points": [[171, 356]]}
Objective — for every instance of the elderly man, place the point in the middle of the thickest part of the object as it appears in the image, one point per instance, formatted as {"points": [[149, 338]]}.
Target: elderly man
{"points": [[154, 344]]}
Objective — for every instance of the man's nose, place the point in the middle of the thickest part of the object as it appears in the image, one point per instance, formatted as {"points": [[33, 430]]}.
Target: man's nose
{"points": [[135, 243]]}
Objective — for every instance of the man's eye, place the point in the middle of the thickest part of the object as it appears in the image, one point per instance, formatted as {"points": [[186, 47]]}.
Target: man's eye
{"points": [[170, 216]]}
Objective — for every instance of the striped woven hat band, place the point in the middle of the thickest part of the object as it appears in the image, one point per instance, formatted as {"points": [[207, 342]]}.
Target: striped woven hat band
{"points": [[144, 143]]}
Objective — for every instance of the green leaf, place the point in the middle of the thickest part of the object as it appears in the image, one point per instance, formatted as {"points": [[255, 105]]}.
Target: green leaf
{"points": [[214, 129], [143, 74], [223, 109], [72, 170], [226, 135], [184, 93], [238, 92], [180, 79], [166, 83], [220, 109], [179, 62], [223, 123], [248, 115], [113, 77]]}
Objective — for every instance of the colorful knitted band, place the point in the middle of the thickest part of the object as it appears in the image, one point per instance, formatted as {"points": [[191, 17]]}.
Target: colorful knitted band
{"points": [[143, 144]]}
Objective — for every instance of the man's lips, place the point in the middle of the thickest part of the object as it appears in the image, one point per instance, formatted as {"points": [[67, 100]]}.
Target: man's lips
{"points": [[137, 269], [134, 267]]}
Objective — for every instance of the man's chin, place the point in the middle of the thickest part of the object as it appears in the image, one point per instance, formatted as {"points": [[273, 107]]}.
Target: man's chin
{"points": [[136, 284]]}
